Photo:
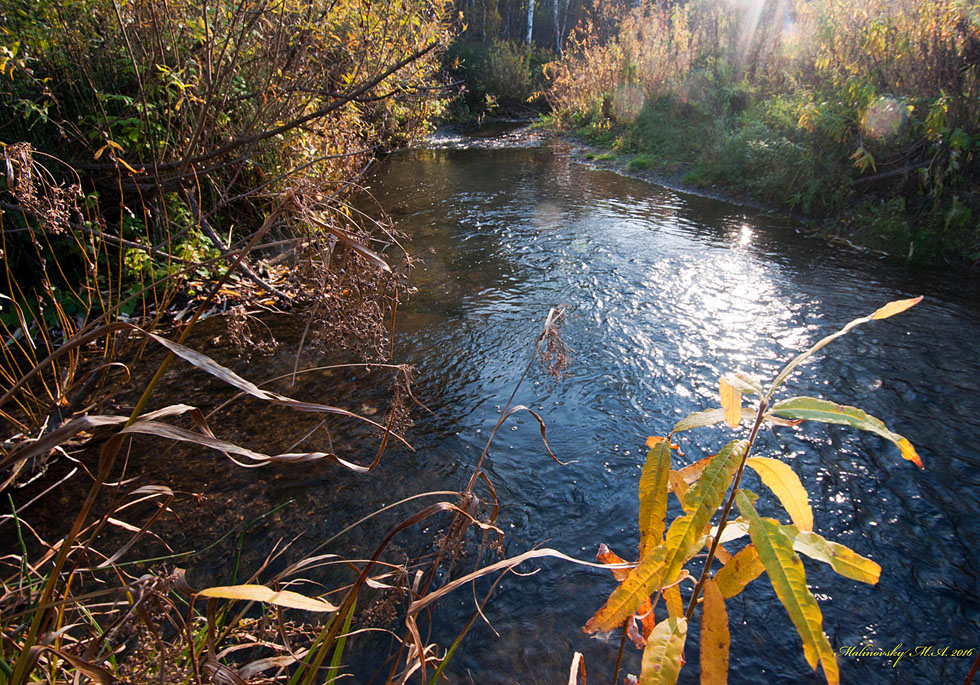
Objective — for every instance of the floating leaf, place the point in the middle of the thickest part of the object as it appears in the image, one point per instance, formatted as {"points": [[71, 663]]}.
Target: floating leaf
{"points": [[785, 484], [739, 572], [715, 639], [814, 409], [785, 571], [842, 559], [731, 402], [664, 653], [653, 496], [641, 582], [702, 500], [261, 593]]}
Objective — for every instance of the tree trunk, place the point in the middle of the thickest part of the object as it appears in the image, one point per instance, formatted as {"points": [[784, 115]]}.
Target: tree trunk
{"points": [[557, 27], [530, 20]]}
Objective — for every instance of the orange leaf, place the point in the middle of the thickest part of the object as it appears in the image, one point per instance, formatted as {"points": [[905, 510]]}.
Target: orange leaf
{"points": [[715, 640], [607, 556], [655, 440], [896, 307]]}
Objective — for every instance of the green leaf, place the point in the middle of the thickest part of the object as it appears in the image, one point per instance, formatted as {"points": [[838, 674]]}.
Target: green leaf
{"points": [[702, 501], [785, 571], [785, 484], [842, 559], [664, 653], [813, 409], [641, 582], [889, 309], [653, 496]]}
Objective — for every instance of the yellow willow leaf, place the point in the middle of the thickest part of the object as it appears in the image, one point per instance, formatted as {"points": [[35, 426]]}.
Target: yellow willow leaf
{"points": [[731, 402], [675, 607], [715, 640], [653, 496], [739, 572], [260, 593], [677, 485], [663, 656], [641, 582], [896, 307], [702, 500], [785, 571], [842, 559], [824, 411], [779, 477], [722, 554]]}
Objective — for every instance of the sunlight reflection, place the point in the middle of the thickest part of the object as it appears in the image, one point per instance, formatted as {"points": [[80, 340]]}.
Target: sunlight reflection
{"points": [[744, 236]]}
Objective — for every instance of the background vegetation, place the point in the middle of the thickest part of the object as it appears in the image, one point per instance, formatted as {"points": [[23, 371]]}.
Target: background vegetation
{"points": [[864, 114]]}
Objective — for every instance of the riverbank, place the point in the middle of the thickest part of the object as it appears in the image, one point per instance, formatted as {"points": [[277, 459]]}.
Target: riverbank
{"points": [[874, 224]]}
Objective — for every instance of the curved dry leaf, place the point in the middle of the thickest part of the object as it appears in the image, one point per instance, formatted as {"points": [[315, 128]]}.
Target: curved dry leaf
{"points": [[544, 436], [165, 430], [512, 562], [896, 307], [260, 593]]}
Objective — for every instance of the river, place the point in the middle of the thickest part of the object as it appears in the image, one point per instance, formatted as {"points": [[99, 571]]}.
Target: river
{"points": [[665, 292]]}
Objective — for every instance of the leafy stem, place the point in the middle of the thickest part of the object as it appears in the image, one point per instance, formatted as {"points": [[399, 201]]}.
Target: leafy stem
{"points": [[729, 503]]}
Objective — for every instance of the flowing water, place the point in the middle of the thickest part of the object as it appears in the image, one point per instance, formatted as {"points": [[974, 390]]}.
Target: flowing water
{"points": [[666, 291]]}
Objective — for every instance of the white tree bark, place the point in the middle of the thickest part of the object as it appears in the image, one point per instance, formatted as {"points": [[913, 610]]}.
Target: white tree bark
{"points": [[530, 20]]}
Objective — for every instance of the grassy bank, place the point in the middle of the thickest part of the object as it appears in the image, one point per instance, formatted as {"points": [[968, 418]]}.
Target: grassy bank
{"points": [[864, 119], [164, 162]]}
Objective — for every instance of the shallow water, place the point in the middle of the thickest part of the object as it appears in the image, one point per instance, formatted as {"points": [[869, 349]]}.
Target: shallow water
{"points": [[666, 291]]}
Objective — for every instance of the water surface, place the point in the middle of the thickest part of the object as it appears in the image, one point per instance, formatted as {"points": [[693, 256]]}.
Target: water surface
{"points": [[667, 291]]}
